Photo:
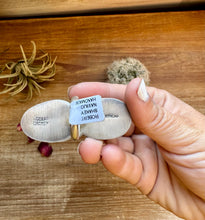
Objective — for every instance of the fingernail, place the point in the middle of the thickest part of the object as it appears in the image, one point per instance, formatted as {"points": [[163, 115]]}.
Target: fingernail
{"points": [[68, 91], [78, 147], [93, 141], [142, 92]]}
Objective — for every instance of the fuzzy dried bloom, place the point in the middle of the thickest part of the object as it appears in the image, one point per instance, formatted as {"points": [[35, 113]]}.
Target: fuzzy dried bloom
{"points": [[27, 73], [124, 70]]}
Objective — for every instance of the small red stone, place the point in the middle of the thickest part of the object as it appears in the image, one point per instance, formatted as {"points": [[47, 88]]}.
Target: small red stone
{"points": [[45, 149], [19, 128]]}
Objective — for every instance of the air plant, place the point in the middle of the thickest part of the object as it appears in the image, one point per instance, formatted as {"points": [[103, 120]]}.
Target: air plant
{"points": [[28, 73]]}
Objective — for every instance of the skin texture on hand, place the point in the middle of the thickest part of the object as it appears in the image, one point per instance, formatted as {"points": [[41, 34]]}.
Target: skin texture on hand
{"points": [[163, 155]]}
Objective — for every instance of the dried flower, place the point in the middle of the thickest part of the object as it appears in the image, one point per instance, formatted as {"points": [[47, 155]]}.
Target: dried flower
{"points": [[19, 128], [28, 73], [30, 140], [124, 70], [45, 149]]}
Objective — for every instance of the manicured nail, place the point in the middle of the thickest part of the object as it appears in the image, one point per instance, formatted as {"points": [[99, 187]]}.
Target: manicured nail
{"points": [[142, 92], [78, 148], [68, 91]]}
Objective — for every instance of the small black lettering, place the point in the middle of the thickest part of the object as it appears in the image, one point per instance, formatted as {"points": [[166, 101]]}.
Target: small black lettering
{"points": [[111, 116], [90, 105], [88, 100], [89, 111], [89, 117], [40, 120]]}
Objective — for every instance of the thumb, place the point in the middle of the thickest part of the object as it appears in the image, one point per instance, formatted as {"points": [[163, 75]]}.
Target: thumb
{"points": [[170, 130]]}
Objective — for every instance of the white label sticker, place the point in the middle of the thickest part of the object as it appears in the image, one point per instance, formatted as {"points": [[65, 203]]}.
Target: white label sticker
{"points": [[86, 110]]}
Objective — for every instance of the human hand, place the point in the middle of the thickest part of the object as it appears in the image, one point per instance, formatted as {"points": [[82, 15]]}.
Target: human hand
{"points": [[163, 155]]}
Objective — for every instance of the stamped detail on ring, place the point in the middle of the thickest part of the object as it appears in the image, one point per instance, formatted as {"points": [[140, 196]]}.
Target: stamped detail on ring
{"points": [[86, 110], [39, 120]]}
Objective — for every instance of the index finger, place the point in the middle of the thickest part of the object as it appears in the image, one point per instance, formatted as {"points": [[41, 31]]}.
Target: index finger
{"points": [[105, 90]]}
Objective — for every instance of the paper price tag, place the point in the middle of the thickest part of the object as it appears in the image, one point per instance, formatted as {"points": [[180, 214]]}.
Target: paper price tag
{"points": [[86, 110]]}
